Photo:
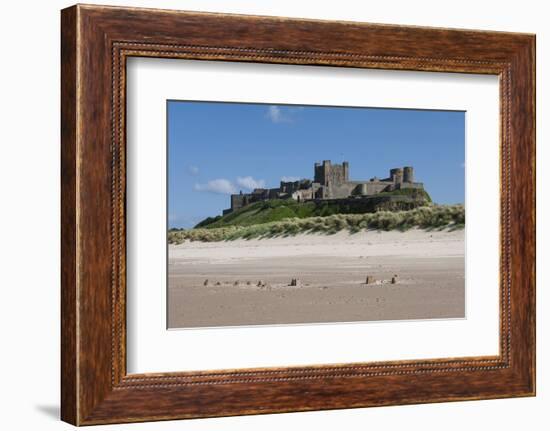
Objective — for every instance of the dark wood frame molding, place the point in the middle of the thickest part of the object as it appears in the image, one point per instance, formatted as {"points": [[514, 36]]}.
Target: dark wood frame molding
{"points": [[95, 43]]}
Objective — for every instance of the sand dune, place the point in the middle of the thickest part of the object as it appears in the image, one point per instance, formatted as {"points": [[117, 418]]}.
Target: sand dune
{"points": [[249, 280]]}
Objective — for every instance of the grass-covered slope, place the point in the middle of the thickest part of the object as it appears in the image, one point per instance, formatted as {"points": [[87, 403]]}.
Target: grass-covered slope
{"points": [[277, 210], [426, 217]]}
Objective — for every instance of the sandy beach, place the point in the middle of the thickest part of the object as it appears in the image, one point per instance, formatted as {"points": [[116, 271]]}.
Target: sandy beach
{"points": [[248, 282]]}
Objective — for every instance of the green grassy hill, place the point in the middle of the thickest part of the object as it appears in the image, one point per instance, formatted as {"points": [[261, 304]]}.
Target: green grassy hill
{"points": [[277, 210]]}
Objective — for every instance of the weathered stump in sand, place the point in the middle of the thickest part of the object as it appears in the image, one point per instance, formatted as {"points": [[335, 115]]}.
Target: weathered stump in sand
{"points": [[218, 283], [295, 282], [261, 283], [205, 282], [394, 279], [236, 283], [370, 279]]}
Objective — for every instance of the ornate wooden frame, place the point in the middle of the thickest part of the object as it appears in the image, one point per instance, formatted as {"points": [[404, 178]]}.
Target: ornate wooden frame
{"points": [[95, 43]]}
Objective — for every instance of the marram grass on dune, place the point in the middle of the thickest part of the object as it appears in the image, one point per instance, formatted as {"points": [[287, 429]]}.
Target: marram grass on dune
{"points": [[426, 217]]}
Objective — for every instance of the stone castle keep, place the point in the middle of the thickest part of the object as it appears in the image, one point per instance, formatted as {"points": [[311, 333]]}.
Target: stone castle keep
{"points": [[330, 182]]}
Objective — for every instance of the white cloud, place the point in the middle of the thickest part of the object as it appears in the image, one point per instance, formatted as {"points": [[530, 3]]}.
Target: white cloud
{"points": [[274, 114], [289, 179], [277, 115], [250, 183], [220, 186], [193, 170]]}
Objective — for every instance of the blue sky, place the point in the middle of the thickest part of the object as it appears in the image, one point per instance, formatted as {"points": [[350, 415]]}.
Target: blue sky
{"points": [[216, 149]]}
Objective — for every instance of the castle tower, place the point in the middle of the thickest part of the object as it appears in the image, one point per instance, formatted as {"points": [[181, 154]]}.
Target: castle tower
{"points": [[396, 175], [329, 175], [323, 172], [327, 168], [345, 168], [408, 174], [319, 174]]}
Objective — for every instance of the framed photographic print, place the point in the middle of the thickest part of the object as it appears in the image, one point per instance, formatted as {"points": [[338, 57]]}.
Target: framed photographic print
{"points": [[311, 243], [266, 215]]}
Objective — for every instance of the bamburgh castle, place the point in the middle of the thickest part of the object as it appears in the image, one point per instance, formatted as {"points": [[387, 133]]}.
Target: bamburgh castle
{"points": [[330, 182]]}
